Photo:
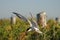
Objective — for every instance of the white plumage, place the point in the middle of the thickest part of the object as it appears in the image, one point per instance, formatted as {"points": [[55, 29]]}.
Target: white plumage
{"points": [[33, 24]]}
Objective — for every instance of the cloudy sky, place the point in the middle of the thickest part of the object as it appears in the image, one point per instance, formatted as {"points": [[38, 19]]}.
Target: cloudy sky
{"points": [[24, 7]]}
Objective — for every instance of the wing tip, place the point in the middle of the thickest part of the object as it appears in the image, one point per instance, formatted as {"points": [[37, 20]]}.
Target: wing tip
{"points": [[14, 12]]}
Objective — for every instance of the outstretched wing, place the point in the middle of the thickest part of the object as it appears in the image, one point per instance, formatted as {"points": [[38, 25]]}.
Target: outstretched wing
{"points": [[22, 17], [34, 23]]}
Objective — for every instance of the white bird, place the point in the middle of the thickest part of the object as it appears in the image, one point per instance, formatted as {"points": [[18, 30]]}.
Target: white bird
{"points": [[33, 24]]}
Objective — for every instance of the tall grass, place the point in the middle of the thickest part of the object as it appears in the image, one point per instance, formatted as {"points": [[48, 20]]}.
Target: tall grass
{"points": [[10, 31]]}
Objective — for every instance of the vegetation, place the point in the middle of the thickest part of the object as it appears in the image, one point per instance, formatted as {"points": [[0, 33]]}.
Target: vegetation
{"points": [[10, 31]]}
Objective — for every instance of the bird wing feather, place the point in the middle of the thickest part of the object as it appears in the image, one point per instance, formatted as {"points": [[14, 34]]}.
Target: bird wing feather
{"points": [[34, 24], [23, 18]]}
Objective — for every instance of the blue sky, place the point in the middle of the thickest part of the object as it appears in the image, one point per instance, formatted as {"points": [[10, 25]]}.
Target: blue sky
{"points": [[51, 7]]}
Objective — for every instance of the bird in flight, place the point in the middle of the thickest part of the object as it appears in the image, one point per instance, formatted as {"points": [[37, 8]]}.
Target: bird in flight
{"points": [[33, 24]]}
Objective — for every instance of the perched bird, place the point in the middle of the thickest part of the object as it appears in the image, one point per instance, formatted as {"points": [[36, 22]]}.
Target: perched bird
{"points": [[33, 24]]}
